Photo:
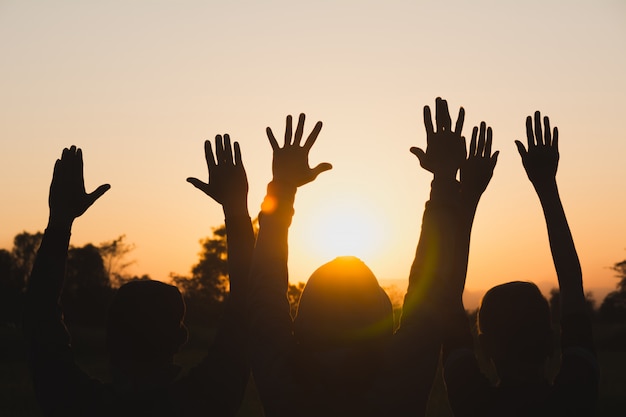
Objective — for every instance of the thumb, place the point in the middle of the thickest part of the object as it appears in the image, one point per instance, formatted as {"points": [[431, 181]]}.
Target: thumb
{"points": [[324, 166], [97, 193], [520, 148], [418, 152], [197, 183], [494, 159]]}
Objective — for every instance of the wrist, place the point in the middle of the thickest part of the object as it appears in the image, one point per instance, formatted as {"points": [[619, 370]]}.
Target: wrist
{"points": [[238, 207], [58, 222], [280, 197], [546, 188]]}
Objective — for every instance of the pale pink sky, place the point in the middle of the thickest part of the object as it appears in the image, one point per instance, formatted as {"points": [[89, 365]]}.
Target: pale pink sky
{"points": [[139, 86]]}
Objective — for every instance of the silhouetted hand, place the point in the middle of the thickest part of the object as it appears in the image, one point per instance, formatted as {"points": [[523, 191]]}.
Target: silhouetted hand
{"points": [[477, 169], [228, 184], [542, 157], [291, 162], [68, 199], [445, 148]]}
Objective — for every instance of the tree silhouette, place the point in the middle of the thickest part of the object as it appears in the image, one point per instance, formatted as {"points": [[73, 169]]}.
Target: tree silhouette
{"points": [[25, 246], [11, 289], [613, 307], [87, 290], [206, 288], [114, 254]]}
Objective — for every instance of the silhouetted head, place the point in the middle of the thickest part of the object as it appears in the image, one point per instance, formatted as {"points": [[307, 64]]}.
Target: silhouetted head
{"points": [[514, 325], [145, 323], [343, 323]]}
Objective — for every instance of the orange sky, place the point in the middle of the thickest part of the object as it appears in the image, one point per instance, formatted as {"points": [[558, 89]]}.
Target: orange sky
{"points": [[139, 86]]}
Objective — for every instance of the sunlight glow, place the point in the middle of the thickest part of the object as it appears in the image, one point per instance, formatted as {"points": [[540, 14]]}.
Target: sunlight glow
{"points": [[345, 227]]}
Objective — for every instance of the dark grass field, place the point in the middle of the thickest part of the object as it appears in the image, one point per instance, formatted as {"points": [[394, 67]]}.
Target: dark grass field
{"points": [[17, 399]]}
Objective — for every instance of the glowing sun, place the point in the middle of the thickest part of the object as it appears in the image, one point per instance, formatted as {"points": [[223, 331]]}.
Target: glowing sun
{"points": [[342, 227]]}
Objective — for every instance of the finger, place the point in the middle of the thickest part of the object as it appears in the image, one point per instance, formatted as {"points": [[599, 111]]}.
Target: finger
{"points": [[487, 152], [494, 158], [57, 169], [208, 155], [548, 134], [272, 139], [228, 150], [98, 193], [481, 139], [77, 166], [442, 115], [419, 153], [428, 123], [313, 136], [530, 136], [219, 149], [324, 166], [65, 154], [472, 151], [288, 132], [299, 130], [459, 122], [555, 139], [520, 148], [538, 133], [238, 155], [197, 183]]}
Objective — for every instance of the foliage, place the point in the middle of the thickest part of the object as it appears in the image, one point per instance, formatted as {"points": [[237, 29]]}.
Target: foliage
{"points": [[113, 255], [620, 268], [555, 304], [87, 290], [293, 293], [613, 307], [25, 246], [206, 288]]}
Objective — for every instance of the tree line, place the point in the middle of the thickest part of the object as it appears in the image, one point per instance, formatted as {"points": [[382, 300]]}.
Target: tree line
{"points": [[94, 272]]}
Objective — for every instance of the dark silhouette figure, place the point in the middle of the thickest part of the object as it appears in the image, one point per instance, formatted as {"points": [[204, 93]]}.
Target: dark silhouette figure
{"points": [[145, 325], [338, 356], [514, 318]]}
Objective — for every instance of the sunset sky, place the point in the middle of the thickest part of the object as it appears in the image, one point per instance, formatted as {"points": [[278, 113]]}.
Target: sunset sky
{"points": [[139, 85]]}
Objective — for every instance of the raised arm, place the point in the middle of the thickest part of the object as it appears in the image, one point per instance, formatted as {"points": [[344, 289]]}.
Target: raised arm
{"points": [[540, 160], [466, 386], [272, 343], [412, 360], [60, 386], [223, 375]]}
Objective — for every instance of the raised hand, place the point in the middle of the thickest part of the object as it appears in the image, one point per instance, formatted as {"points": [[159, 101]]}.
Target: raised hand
{"points": [[445, 148], [228, 183], [68, 199], [477, 169], [290, 164], [541, 159]]}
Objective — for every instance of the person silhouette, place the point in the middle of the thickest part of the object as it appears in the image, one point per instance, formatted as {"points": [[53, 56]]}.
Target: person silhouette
{"points": [[145, 324], [514, 321], [339, 355]]}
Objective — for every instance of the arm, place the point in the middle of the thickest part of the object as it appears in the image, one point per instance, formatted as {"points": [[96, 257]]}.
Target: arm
{"points": [[466, 386], [227, 365], [270, 320], [540, 161], [577, 382], [60, 386], [413, 357]]}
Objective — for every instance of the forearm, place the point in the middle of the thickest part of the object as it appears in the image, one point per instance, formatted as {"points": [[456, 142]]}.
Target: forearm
{"points": [[411, 361], [564, 254], [43, 318], [432, 265], [270, 321]]}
